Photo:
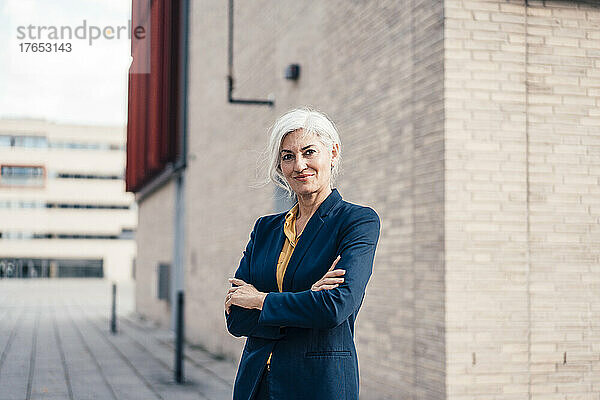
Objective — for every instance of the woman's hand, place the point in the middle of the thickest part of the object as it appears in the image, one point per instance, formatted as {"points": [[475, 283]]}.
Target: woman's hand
{"points": [[247, 296], [244, 295], [331, 279]]}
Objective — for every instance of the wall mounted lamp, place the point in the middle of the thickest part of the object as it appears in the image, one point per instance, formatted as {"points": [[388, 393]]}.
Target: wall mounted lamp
{"points": [[292, 72]]}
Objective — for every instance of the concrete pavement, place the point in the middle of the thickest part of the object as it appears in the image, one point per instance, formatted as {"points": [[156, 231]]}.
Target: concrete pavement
{"points": [[55, 343]]}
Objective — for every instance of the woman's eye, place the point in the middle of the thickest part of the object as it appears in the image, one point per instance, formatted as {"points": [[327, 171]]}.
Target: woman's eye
{"points": [[286, 157], [310, 152]]}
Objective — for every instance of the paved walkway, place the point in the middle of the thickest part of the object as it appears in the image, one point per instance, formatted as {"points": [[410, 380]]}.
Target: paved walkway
{"points": [[55, 344]]}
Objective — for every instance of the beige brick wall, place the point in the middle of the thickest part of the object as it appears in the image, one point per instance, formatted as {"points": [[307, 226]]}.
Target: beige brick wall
{"points": [[564, 179], [522, 222], [155, 245]]}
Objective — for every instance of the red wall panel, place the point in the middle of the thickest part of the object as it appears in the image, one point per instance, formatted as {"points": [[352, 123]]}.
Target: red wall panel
{"points": [[152, 129]]}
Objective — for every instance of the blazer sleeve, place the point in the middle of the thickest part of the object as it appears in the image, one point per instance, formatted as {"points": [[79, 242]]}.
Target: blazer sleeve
{"points": [[326, 309], [243, 321]]}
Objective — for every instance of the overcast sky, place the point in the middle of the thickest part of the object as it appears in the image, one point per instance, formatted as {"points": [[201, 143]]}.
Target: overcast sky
{"points": [[87, 85]]}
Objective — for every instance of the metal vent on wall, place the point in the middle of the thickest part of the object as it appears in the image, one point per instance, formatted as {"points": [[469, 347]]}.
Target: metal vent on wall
{"points": [[164, 282]]}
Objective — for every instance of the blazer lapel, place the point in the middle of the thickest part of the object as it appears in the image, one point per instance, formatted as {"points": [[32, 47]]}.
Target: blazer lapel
{"points": [[309, 234], [276, 239]]}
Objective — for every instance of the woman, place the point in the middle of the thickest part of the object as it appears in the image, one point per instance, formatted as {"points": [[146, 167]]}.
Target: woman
{"points": [[297, 311]]}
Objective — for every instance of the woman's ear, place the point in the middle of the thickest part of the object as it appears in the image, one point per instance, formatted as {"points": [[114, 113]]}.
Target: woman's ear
{"points": [[334, 153]]}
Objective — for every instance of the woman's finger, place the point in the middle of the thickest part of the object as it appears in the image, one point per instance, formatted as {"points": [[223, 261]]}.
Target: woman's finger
{"points": [[328, 287], [229, 299], [325, 284], [333, 281], [233, 289], [237, 281], [335, 273], [334, 263]]}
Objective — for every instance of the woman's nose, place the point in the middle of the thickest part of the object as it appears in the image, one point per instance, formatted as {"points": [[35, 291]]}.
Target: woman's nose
{"points": [[300, 164]]}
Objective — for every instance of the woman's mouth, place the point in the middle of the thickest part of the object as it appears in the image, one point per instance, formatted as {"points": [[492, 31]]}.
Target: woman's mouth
{"points": [[303, 178]]}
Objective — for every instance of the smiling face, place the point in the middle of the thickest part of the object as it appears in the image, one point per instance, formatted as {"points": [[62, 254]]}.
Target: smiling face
{"points": [[306, 162]]}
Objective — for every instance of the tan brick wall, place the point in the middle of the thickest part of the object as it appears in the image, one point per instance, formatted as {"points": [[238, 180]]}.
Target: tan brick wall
{"points": [[522, 175], [155, 245], [564, 176]]}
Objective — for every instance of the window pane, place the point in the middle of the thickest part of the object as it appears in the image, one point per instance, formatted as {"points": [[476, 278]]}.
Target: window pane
{"points": [[22, 176], [5, 140], [31, 141]]}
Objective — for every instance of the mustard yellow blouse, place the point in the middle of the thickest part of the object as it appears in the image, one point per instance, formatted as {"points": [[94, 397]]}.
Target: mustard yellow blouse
{"points": [[289, 229]]}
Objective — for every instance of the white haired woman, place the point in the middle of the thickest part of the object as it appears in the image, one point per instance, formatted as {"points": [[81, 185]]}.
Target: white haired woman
{"points": [[302, 278]]}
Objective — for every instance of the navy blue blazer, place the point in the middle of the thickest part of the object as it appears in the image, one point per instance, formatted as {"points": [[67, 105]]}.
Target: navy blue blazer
{"points": [[311, 334]]}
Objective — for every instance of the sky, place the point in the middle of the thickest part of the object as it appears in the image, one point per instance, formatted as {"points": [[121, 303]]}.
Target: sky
{"points": [[86, 86]]}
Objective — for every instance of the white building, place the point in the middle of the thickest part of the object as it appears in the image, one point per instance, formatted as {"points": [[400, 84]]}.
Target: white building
{"points": [[64, 211]]}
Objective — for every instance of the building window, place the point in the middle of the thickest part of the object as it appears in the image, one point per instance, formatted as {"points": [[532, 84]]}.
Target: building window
{"points": [[41, 142], [30, 141], [50, 268], [23, 141], [15, 175], [41, 204], [19, 235], [64, 175], [6, 141]]}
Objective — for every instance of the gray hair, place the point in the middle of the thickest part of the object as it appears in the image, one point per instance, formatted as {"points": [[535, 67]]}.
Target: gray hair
{"points": [[311, 122]]}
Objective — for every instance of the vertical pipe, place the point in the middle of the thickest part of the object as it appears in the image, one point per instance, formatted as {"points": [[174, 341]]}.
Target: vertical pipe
{"points": [[179, 339], [230, 42], [177, 272], [113, 318]]}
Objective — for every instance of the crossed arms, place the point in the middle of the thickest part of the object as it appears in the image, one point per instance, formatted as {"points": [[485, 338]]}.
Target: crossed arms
{"points": [[322, 309]]}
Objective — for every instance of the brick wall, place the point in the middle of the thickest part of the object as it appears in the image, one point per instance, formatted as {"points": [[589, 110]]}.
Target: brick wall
{"points": [[154, 239], [522, 168]]}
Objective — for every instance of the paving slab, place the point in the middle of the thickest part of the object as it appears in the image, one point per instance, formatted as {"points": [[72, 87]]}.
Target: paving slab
{"points": [[55, 343]]}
